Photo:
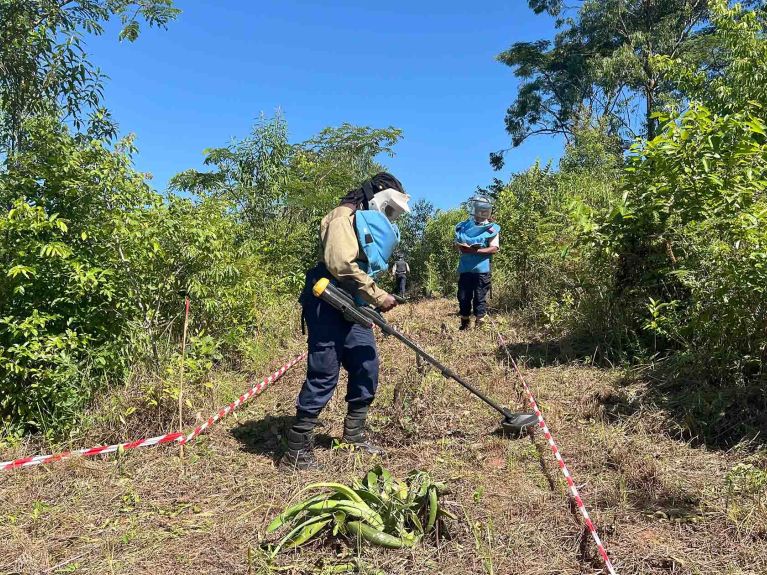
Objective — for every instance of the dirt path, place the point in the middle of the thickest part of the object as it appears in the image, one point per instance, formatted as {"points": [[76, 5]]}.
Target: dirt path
{"points": [[660, 504]]}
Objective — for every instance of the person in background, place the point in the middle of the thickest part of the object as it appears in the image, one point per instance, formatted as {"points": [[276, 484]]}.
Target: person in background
{"points": [[400, 270], [477, 238], [358, 238]]}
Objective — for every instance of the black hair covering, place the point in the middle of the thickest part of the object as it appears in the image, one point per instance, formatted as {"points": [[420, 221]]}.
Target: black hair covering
{"points": [[369, 188]]}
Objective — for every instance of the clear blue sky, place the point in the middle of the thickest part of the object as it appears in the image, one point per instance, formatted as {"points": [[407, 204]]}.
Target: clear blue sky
{"points": [[426, 67]]}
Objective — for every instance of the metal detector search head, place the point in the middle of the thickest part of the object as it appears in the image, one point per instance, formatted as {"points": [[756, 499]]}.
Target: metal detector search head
{"points": [[517, 424]]}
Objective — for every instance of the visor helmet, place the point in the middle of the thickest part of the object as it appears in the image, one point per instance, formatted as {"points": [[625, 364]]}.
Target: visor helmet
{"points": [[480, 208], [384, 193]]}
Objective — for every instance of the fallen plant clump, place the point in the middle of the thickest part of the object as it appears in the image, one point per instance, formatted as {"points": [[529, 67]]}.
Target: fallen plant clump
{"points": [[377, 509]]}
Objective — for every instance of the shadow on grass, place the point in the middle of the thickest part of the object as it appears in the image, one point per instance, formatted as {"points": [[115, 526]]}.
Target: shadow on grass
{"points": [[267, 436], [714, 414], [551, 352], [718, 415]]}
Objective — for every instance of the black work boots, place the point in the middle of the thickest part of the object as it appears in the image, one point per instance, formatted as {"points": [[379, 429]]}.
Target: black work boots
{"points": [[300, 453], [354, 429], [354, 434]]}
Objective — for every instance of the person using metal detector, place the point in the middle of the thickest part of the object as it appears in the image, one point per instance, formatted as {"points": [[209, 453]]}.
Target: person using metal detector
{"points": [[477, 238], [358, 238], [512, 423]]}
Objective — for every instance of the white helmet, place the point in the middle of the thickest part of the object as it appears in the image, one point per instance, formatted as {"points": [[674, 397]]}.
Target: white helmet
{"points": [[480, 208], [391, 203]]}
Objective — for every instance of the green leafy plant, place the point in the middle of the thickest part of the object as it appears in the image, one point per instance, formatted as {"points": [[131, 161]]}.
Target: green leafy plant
{"points": [[439, 251], [747, 479], [378, 509]]}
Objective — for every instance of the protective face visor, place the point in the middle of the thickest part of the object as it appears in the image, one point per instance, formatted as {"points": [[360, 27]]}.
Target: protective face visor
{"points": [[480, 209], [391, 203]]}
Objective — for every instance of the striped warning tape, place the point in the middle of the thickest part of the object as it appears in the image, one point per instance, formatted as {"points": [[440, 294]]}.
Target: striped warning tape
{"points": [[177, 437], [561, 462]]}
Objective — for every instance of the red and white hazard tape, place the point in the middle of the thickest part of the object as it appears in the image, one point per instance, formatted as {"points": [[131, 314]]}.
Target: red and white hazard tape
{"points": [[561, 462], [177, 437]]}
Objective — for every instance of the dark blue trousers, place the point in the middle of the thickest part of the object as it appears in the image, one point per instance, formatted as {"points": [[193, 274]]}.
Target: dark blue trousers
{"points": [[472, 294], [401, 284], [335, 343]]}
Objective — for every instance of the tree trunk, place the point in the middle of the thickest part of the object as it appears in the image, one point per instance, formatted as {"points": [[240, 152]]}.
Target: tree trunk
{"points": [[650, 123]]}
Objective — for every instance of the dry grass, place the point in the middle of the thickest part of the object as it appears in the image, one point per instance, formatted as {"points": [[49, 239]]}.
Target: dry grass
{"points": [[660, 504]]}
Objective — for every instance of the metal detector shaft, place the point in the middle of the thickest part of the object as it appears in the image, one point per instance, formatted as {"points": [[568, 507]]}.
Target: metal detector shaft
{"points": [[368, 317]]}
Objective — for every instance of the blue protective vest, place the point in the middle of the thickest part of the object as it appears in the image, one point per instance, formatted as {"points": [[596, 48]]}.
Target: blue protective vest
{"points": [[378, 238], [470, 233]]}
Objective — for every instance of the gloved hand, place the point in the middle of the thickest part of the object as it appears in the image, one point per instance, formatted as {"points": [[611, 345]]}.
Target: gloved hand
{"points": [[389, 303]]}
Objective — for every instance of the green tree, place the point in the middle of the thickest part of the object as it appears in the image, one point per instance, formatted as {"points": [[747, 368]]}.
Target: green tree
{"points": [[252, 173], [439, 251], [739, 81], [600, 65], [44, 66], [63, 305], [267, 177], [335, 161], [91, 265], [687, 236], [412, 239]]}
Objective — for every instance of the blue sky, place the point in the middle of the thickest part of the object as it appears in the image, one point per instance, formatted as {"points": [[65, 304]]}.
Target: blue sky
{"points": [[426, 67]]}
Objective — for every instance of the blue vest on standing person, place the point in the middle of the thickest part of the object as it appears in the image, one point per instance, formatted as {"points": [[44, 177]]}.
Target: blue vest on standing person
{"points": [[472, 234], [378, 238]]}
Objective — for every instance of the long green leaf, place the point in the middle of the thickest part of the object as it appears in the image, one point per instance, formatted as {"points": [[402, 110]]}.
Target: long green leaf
{"points": [[293, 532], [338, 487], [308, 532], [291, 512], [375, 536], [433, 509]]}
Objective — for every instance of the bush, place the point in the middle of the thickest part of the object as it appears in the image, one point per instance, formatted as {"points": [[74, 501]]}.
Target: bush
{"points": [[93, 263], [440, 254], [689, 240], [540, 267], [62, 304]]}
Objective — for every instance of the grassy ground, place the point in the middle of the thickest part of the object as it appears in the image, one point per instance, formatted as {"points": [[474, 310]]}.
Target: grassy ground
{"points": [[661, 505]]}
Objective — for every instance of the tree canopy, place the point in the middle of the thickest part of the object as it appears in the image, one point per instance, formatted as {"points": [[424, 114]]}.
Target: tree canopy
{"points": [[600, 67], [44, 64]]}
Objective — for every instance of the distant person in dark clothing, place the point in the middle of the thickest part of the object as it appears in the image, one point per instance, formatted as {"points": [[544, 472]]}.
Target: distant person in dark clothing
{"points": [[400, 270], [477, 239]]}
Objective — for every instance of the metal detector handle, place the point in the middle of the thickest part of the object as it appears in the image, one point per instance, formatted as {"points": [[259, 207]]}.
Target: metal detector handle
{"points": [[343, 302], [327, 292]]}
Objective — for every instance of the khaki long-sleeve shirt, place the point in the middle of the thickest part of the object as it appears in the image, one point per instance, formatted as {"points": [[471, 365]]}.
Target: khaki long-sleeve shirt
{"points": [[341, 251]]}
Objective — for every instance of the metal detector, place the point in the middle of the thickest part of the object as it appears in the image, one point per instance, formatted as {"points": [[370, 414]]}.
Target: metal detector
{"points": [[513, 423]]}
